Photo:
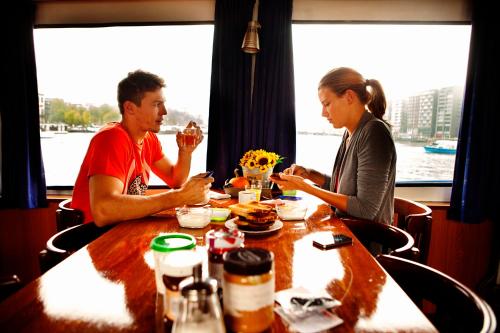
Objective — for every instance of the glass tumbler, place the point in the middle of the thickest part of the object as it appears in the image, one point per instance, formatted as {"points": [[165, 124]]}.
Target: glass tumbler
{"points": [[256, 187], [189, 137]]}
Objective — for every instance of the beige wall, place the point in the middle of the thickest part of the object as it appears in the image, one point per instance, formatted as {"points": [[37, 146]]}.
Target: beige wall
{"points": [[121, 11]]}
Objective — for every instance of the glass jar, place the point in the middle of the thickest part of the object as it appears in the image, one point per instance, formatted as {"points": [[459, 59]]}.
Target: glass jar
{"points": [[175, 257], [219, 242], [248, 286]]}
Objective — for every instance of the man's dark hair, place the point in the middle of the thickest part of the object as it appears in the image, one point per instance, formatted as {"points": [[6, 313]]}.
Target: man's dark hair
{"points": [[135, 85]]}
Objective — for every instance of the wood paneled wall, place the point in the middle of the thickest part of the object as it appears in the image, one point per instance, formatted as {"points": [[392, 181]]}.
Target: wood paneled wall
{"points": [[23, 234], [460, 250], [463, 251]]}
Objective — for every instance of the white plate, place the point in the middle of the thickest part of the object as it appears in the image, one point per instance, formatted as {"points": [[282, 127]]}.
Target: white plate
{"points": [[276, 226]]}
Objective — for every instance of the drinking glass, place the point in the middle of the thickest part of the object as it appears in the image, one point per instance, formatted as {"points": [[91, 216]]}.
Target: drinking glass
{"points": [[189, 137], [255, 186]]}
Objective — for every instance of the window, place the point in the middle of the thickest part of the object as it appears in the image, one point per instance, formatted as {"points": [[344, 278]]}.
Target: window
{"points": [[78, 72], [422, 69]]}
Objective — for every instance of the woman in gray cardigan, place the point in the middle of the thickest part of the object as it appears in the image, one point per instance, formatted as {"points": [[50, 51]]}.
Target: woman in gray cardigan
{"points": [[363, 177]]}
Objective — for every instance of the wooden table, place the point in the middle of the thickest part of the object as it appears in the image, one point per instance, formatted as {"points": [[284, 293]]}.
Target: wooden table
{"points": [[108, 286]]}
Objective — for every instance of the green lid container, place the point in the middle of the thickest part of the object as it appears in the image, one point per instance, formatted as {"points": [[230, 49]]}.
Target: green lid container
{"points": [[173, 242]]}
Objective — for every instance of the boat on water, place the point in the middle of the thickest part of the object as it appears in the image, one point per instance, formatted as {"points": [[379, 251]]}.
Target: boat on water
{"points": [[442, 147]]}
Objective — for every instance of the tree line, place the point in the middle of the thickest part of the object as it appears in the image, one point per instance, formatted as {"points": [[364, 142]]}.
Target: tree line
{"points": [[58, 111]]}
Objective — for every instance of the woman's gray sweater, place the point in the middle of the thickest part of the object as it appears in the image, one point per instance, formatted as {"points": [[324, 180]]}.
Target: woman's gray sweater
{"points": [[367, 166]]}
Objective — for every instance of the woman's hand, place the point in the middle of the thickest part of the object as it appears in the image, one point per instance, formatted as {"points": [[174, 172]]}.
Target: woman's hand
{"points": [[288, 182], [297, 170]]}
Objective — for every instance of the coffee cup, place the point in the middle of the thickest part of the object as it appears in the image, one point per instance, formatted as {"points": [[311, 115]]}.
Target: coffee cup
{"points": [[246, 196]]}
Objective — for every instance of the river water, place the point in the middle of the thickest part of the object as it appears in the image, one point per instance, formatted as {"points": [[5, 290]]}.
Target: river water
{"points": [[63, 155]]}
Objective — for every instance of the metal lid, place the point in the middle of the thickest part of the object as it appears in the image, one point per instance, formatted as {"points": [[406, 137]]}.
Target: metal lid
{"points": [[173, 242], [248, 261]]}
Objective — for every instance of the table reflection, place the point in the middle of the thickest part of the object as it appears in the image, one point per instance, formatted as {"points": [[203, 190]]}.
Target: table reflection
{"points": [[82, 293]]}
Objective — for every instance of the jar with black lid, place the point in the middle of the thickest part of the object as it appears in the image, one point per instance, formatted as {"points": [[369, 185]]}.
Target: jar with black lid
{"points": [[248, 287]]}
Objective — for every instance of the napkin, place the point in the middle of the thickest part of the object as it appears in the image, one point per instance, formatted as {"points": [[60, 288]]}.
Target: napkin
{"points": [[217, 195]]}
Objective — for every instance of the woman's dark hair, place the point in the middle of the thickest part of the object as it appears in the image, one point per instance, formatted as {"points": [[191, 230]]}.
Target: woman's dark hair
{"points": [[135, 85], [340, 79]]}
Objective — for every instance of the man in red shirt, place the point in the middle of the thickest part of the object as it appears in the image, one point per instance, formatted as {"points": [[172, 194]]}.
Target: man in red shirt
{"points": [[114, 175]]}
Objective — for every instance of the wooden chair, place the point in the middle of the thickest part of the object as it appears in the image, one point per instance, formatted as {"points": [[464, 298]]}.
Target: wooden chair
{"points": [[390, 239], [64, 243], [66, 216], [416, 219], [448, 304], [9, 284]]}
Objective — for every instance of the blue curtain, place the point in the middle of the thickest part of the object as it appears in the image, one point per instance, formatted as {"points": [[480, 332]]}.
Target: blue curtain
{"points": [[272, 116], [23, 179], [234, 125], [476, 184]]}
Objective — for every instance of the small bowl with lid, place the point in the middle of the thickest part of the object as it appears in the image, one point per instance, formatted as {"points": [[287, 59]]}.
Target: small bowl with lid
{"points": [[193, 217]]}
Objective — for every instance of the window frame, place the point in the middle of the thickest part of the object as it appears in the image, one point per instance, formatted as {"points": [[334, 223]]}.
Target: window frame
{"points": [[69, 14]]}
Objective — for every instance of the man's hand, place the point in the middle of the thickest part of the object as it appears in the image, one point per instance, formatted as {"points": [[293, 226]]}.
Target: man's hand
{"points": [[196, 190]]}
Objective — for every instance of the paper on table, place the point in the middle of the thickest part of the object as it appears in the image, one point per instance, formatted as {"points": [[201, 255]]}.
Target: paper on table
{"points": [[217, 196], [310, 319], [316, 321]]}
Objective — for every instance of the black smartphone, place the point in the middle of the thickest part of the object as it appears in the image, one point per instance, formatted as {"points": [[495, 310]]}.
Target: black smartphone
{"points": [[333, 241], [205, 174]]}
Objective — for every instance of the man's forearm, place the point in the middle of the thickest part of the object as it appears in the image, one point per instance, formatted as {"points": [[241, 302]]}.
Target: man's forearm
{"points": [[123, 207]]}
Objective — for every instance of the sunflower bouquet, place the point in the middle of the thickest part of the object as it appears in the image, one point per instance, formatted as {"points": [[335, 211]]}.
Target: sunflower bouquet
{"points": [[260, 160]]}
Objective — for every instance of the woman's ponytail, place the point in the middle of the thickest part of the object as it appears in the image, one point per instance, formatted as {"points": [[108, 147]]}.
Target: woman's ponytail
{"points": [[377, 104]]}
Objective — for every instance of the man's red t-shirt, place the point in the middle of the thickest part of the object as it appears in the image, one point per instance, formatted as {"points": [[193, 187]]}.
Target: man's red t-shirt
{"points": [[113, 153]]}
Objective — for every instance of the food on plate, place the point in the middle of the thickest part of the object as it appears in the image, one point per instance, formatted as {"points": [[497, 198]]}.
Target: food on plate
{"points": [[238, 181], [253, 215]]}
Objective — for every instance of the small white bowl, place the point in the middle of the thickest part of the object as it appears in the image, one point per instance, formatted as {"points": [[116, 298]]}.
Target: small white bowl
{"points": [[220, 214], [193, 217], [291, 211]]}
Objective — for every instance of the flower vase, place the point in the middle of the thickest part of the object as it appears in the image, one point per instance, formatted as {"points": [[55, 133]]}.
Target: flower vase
{"points": [[255, 173]]}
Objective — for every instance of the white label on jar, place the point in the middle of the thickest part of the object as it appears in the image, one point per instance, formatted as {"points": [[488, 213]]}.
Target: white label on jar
{"points": [[239, 297]]}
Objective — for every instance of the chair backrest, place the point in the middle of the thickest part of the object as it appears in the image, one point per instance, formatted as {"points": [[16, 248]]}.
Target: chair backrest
{"points": [[392, 240], [415, 218], [66, 216], [453, 308], [65, 242], [9, 284]]}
